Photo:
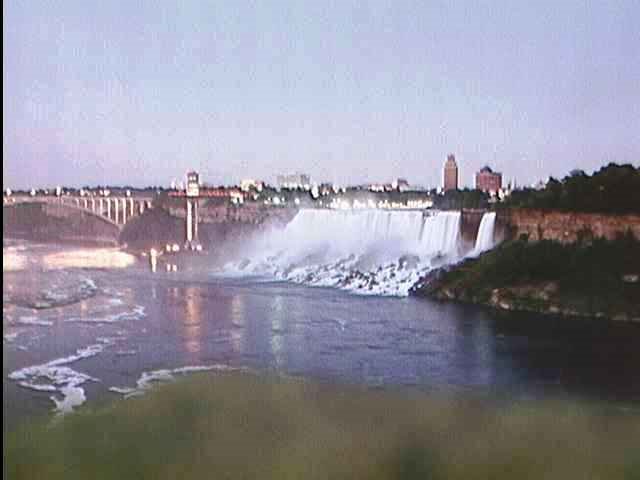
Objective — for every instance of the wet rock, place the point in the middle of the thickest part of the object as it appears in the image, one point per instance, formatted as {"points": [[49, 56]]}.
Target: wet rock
{"points": [[408, 261]]}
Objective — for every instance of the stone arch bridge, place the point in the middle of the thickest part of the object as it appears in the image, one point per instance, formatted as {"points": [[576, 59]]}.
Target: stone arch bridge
{"points": [[116, 211]]}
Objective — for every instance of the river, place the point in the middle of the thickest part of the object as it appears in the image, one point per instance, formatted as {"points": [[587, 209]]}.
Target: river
{"points": [[85, 325]]}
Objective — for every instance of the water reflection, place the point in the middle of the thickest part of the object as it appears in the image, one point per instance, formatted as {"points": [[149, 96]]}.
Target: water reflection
{"points": [[277, 321], [333, 335], [238, 320], [88, 258], [192, 323], [482, 345], [12, 261]]}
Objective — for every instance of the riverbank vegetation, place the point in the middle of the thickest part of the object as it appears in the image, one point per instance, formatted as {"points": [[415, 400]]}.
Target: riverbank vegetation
{"points": [[592, 278], [248, 426], [613, 189]]}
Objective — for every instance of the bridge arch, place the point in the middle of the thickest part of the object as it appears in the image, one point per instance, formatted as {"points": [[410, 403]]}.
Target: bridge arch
{"points": [[57, 221]]}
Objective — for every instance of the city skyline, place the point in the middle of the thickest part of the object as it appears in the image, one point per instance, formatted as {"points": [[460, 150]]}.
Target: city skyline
{"points": [[279, 181], [349, 93]]}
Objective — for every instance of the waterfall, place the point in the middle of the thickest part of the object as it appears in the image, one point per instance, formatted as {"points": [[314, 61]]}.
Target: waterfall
{"points": [[441, 234], [365, 251], [484, 240]]}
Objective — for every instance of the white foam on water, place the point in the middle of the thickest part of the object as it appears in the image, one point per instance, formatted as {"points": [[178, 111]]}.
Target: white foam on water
{"points": [[126, 392], [56, 377], [72, 396], [81, 353], [148, 379], [136, 313], [113, 292], [10, 336], [122, 353], [33, 320], [73, 293], [373, 252]]}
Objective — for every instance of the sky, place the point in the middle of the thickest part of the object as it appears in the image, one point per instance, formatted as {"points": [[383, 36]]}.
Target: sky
{"points": [[138, 92]]}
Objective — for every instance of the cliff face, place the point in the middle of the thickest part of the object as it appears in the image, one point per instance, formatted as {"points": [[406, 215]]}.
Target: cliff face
{"points": [[566, 274], [564, 227], [469, 226], [56, 223], [248, 214], [223, 229]]}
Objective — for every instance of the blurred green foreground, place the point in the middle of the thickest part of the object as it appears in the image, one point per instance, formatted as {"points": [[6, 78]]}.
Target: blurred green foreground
{"points": [[246, 426]]}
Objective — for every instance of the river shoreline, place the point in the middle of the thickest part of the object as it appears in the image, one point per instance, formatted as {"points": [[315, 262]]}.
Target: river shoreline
{"points": [[598, 280]]}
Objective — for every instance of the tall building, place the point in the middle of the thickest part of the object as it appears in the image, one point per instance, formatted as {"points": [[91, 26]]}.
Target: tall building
{"points": [[450, 173], [488, 181]]}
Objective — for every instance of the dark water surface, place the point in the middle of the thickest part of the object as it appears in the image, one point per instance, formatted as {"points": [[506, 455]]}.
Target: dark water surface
{"points": [[148, 321]]}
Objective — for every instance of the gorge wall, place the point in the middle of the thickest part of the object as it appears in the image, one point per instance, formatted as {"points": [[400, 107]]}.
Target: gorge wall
{"points": [[222, 228], [249, 213], [469, 226], [56, 223], [564, 227]]}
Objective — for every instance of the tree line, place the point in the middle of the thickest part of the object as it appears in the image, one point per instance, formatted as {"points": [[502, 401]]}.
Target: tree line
{"points": [[612, 189]]}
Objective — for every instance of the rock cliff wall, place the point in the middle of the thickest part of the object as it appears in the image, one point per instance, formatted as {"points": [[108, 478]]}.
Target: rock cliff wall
{"points": [[222, 230], [564, 227], [469, 225], [225, 213]]}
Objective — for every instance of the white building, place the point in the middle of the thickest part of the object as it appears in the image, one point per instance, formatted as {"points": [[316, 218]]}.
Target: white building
{"points": [[294, 180], [193, 184], [249, 183]]}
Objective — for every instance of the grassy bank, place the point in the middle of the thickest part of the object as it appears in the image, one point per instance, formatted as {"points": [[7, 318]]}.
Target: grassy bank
{"points": [[244, 426], [598, 278]]}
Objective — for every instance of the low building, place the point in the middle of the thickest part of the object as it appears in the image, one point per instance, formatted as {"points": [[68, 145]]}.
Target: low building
{"points": [[294, 181], [249, 183], [326, 188]]}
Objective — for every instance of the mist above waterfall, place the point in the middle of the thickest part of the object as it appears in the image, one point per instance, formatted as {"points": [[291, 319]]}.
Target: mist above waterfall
{"points": [[366, 251]]}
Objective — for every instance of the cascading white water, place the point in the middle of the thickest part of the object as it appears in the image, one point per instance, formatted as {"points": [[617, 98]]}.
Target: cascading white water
{"points": [[366, 251], [485, 238]]}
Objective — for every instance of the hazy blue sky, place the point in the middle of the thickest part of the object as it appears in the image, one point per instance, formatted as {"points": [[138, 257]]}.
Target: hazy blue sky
{"points": [[137, 92]]}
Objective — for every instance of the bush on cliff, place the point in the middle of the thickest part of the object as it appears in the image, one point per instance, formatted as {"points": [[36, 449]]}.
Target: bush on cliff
{"points": [[587, 278]]}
